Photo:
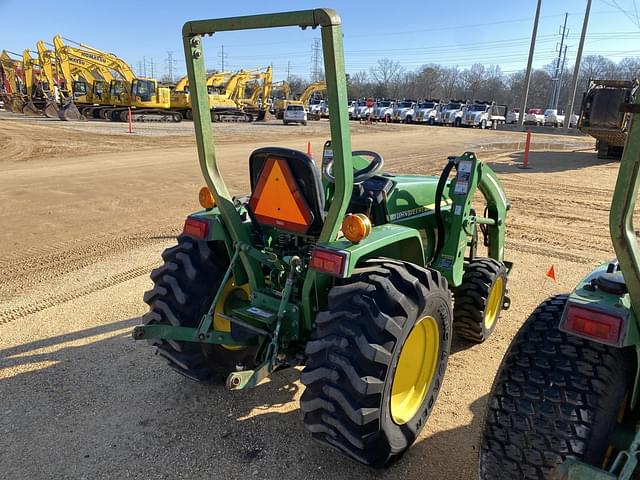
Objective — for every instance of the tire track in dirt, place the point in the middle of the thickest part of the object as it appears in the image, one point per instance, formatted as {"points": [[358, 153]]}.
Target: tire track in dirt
{"points": [[30, 308], [38, 264]]}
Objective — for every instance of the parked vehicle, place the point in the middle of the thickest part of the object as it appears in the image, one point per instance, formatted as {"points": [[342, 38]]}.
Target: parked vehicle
{"points": [[601, 117], [513, 116], [427, 111], [363, 111], [553, 118], [573, 121], [484, 115], [352, 109], [383, 110], [534, 116], [405, 111], [295, 114], [452, 113]]}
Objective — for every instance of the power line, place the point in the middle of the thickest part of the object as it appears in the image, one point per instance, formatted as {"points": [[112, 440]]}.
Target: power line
{"points": [[170, 63], [223, 57], [316, 70]]}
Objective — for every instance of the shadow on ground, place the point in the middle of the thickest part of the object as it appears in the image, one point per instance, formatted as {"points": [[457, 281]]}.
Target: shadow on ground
{"points": [[549, 162], [95, 404]]}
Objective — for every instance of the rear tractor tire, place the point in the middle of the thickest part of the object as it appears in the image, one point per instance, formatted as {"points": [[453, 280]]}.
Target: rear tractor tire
{"points": [[556, 396], [376, 360], [480, 299], [184, 288]]}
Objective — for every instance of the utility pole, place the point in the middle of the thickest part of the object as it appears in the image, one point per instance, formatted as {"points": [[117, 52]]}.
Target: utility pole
{"points": [[151, 68], [144, 66], [564, 60], [556, 76], [170, 61], [316, 72], [527, 80], [222, 56], [576, 70], [288, 71]]}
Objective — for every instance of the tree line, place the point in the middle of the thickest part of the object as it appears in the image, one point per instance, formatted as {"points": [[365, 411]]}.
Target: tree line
{"points": [[388, 79]]}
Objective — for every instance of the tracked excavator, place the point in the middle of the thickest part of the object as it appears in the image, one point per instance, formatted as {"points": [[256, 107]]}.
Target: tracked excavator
{"points": [[143, 96], [226, 106], [35, 96], [51, 85], [13, 83], [181, 97], [302, 100], [257, 103]]}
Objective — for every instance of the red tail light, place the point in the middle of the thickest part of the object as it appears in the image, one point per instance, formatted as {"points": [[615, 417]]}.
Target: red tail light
{"points": [[332, 262], [592, 324], [196, 227]]}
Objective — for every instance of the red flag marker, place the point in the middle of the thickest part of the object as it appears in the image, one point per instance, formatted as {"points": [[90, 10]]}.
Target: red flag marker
{"points": [[551, 273]]}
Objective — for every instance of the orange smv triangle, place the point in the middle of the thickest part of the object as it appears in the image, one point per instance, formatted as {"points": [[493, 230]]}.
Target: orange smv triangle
{"points": [[551, 273], [277, 201]]}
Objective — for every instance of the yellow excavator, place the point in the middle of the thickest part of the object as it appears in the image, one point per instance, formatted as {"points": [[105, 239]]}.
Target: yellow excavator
{"points": [[181, 97], [52, 79], [226, 105], [303, 99], [147, 101], [14, 98], [258, 102], [33, 84]]}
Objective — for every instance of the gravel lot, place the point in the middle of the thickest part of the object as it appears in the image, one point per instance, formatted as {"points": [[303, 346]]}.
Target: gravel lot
{"points": [[87, 209]]}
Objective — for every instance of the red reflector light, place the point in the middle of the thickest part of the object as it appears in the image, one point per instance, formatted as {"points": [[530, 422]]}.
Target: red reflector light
{"points": [[328, 261], [195, 227], [592, 324]]}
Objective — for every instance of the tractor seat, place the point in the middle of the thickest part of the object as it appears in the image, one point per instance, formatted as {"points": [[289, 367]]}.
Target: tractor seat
{"points": [[286, 191]]}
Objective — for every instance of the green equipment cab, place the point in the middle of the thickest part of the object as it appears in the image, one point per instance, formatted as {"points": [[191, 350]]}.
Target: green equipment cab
{"points": [[345, 270], [564, 404]]}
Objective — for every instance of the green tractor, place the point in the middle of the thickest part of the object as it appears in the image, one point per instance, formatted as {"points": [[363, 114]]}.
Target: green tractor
{"points": [[564, 404], [345, 270]]}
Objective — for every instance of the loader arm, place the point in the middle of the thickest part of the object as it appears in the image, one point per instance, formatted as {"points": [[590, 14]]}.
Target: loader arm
{"points": [[310, 90], [47, 59]]}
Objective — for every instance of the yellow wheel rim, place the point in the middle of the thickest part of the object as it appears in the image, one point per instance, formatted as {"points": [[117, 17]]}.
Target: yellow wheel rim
{"points": [[494, 303], [232, 297], [415, 370]]}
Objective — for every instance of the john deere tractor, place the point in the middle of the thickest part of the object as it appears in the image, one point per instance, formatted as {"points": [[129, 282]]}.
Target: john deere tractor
{"points": [[346, 270], [564, 404]]}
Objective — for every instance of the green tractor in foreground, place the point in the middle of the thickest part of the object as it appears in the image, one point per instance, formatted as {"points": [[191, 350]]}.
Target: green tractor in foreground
{"points": [[348, 272], [564, 404]]}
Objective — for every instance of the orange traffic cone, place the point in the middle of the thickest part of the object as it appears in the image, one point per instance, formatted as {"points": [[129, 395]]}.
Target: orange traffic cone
{"points": [[309, 151]]}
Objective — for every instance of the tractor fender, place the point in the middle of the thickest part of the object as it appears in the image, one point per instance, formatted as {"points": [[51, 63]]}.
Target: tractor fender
{"points": [[388, 240]]}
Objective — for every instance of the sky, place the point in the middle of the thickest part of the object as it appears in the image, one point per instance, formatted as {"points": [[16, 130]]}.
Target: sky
{"points": [[413, 32]]}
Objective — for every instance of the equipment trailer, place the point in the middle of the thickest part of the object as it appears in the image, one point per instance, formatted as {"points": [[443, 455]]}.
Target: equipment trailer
{"points": [[564, 404], [349, 272]]}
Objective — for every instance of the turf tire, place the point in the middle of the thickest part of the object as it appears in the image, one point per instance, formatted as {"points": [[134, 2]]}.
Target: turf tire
{"points": [[353, 354], [555, 396], [183, 290], [471, 299]]}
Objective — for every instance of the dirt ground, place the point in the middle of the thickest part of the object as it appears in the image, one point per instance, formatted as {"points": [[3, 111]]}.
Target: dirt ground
{"points": [[86, 209]]}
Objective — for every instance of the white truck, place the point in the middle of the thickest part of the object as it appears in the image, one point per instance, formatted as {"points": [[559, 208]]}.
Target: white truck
{"points": [[534, 116], [485, 115], [405, 111], [453, 112], [362, 111], [427, 112], [352, 109], [553, 118], [383, 110], [513, 116]]}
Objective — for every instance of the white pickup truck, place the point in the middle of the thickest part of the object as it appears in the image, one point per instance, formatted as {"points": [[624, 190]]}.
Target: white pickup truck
{"points": [[427, 112], [485, 115], [404, 111], [553, 118], [534, 116], [361, 111], [452, 113], [513, 116], [383, 110]]}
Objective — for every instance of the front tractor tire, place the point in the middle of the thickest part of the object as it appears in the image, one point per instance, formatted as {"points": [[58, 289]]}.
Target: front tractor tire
{"points": [[480, 299], [556, 396], [376, 360], [184, 288]]}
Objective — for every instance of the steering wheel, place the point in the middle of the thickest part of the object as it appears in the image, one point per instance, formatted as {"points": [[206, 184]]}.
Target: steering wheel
{"points": [[361, 175]]}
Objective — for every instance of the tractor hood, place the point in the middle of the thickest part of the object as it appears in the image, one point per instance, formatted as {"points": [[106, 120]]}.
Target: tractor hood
{"points": [[412, 197]]}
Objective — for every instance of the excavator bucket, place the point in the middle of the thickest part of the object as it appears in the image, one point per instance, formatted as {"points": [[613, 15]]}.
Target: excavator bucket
{"points": [[17, 104], [69, 112], [51, 109], [6, 101], [263, 116], [30, 109]]}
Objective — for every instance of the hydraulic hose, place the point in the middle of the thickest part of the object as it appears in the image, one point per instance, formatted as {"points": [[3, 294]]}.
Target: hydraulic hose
{"points": [[444, 176]]}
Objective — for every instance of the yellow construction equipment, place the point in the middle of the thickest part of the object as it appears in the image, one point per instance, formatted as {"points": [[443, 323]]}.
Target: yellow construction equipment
{"points": [[281, 105], [13, 84], [181, 97], [148, 101], [257, 104], [51, 81], [31, 71]]}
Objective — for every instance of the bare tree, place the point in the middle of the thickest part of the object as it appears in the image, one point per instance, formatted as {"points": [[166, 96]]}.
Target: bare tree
{"points": [[386, 75]]}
